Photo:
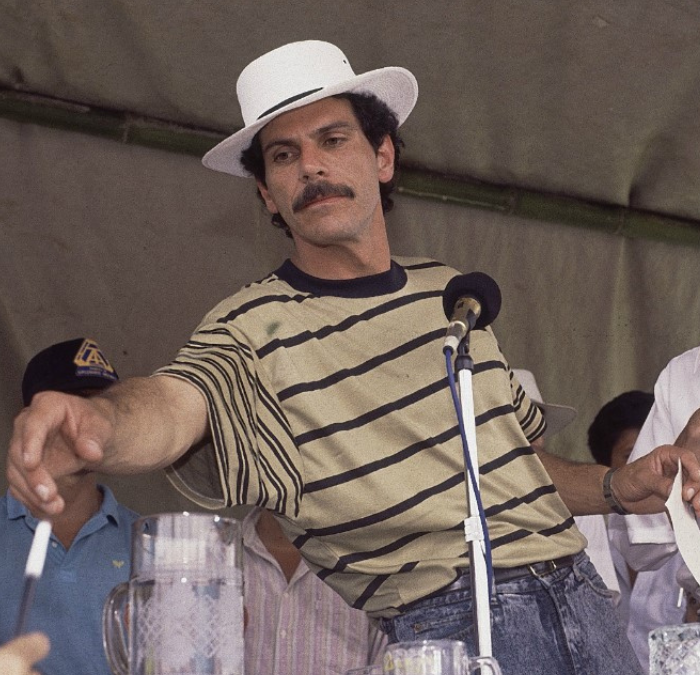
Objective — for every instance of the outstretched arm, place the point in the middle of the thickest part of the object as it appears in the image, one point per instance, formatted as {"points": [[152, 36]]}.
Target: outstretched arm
{"points": [[640, 487], [135, 426]]}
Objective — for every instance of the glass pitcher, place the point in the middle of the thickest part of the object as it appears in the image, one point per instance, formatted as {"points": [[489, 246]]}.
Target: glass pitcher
{"points": [[181, 613]]}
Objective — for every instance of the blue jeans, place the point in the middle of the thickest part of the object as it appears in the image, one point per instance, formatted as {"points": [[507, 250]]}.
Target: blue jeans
{"points": [[563, 623]]}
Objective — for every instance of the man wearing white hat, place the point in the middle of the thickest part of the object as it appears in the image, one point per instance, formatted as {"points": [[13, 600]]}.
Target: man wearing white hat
{"points": [[319, 393]]}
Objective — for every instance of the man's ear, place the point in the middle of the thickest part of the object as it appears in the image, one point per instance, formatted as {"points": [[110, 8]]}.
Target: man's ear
{"points": [[265, 194], [386, 155]]}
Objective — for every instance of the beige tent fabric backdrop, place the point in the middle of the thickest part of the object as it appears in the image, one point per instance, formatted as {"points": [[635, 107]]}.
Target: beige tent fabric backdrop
{"points": [[587, 98], [131, 246]]}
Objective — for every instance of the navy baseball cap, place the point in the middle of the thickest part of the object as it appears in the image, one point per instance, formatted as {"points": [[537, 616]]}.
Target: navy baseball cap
{"points": [[68, 366]]}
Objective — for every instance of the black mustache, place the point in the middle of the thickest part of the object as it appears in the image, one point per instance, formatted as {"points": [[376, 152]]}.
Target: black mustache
{"points": [[314, 191]]}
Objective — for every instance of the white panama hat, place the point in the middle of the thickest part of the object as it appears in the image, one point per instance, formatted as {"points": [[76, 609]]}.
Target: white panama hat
{"points": [[295, 75], [557, 416]]}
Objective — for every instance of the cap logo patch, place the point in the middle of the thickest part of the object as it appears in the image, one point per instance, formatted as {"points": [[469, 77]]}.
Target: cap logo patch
{"points": [[90, 361]]}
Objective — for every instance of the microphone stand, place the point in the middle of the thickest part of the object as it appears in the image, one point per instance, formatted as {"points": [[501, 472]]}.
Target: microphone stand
{"points": [[473, 532]]}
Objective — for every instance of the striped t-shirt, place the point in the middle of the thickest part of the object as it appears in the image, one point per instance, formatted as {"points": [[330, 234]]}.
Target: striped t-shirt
{"points": [[329, 404]]}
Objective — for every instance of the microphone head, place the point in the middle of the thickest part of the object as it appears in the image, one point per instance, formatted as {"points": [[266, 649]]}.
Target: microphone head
{"points": [[479, 286]]}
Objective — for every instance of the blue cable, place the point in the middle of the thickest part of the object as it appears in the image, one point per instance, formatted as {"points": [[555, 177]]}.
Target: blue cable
{"points": [[470, 468]]}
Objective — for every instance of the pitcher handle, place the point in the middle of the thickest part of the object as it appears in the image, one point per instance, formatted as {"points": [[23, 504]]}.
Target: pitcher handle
{"points": [[115, 636], [485, 665]]}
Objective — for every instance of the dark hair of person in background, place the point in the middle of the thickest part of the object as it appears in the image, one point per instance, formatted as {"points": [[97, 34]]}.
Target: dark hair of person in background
{"points": [[625, 412], [376, 120]]}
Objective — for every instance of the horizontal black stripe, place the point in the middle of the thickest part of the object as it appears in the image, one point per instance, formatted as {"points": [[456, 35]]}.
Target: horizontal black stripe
{"points": [[353, 558], [346, 324], [392, 511], [384, 462], [518, 535], [372, 415], [361, 368], [485, 366], [370, 591], [513, 503], [493, 413], [507, 458], [345, 561], [556, 529], [259, 302], [376, 584], [236, 346], [510, 538]]}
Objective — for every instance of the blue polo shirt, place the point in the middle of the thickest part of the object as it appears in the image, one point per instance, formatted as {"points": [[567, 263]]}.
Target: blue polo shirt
{"points": [[73, 587]]}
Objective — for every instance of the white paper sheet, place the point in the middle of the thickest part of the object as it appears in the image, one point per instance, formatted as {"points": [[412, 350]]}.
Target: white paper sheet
{"points": [[685, 525]]}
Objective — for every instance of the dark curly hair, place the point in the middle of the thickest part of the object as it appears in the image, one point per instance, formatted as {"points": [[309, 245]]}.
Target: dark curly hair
{"points": [[376, 120], [626, 411]]}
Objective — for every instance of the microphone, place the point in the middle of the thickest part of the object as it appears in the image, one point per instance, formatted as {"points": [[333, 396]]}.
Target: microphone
{"points": [[470, 301]]}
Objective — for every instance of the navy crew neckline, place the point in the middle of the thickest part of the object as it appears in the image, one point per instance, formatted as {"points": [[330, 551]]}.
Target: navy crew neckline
{"points": [[394, 279]]}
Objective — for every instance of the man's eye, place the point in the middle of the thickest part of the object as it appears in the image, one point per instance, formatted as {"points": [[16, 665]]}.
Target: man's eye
{"points": [[281, 156], [334, 140]]}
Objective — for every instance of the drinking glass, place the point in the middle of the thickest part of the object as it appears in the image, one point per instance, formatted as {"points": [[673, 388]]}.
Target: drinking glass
{"points": [[675, 650], [181, 613], [435, 657]]}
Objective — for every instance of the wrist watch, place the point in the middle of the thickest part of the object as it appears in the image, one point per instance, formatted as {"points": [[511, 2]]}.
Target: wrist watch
{"points": [[609, 495]]}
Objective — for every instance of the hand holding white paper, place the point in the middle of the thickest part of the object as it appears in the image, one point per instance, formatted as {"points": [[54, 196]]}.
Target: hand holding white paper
{"points": [[685, 525]]}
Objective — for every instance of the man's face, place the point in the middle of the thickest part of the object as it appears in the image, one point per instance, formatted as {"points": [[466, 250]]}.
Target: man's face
{"points": [[322, 174]]}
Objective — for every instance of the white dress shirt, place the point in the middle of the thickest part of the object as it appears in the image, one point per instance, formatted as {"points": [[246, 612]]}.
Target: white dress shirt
{"points": [[648, 542]]}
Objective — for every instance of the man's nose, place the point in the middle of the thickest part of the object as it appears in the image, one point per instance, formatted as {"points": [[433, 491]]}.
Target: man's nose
{"points": [[312, 165]]}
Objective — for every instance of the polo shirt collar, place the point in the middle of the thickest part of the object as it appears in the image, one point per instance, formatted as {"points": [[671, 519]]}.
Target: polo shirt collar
{"points": [[109, 508]]}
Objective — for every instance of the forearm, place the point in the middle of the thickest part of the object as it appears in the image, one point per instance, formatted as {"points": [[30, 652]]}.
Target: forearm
{"points": [[135, 426], [640, 487], [153, 421], [579, 485]]}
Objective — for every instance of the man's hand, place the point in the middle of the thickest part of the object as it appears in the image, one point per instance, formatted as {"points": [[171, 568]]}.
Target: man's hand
{"points": [[55, 436], [643, 486], [18, 656], [136, 425]]}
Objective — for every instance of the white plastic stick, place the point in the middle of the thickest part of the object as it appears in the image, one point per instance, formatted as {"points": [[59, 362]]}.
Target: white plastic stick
{"points": [[33, 570]]}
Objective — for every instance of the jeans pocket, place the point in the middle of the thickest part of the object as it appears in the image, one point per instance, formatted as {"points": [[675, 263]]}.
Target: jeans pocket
{"points": [[588, 573], [451, 621]]}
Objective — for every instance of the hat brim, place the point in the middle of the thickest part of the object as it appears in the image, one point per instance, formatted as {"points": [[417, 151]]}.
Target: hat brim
{"points": [[557, 416], [395, 86]]}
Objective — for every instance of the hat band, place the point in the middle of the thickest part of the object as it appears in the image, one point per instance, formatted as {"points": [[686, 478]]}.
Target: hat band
{"points": [[288, 101]]}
